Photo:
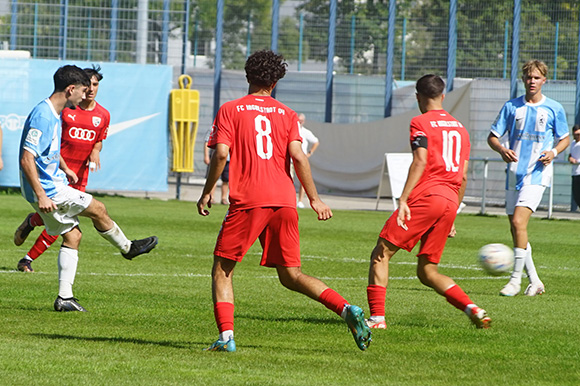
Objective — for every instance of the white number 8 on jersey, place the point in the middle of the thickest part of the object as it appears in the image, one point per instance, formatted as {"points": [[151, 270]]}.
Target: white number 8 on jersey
{"points": [[264, 129]]}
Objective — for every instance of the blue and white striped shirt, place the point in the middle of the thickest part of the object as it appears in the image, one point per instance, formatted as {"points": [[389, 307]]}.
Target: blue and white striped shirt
{"points": [[531, 129], [41, 137]]}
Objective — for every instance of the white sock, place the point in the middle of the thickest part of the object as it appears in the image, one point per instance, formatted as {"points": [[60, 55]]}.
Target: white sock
{"points": [[116, 237], [530, 267], [344, 312], [67, 269], [376, 318], [28, 258], [519, 261], [467, 309], [226, 335]]}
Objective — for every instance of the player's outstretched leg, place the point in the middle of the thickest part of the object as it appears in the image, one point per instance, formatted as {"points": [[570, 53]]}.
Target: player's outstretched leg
{"points": [[355, 319], [23, 230], [139, 247], [42, 243], [111, 232], [24, 265], [294, 279], [429, 275]]}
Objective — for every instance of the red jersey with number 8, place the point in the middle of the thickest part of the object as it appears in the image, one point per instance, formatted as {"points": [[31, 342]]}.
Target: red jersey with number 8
{"points": [[257, 130], [81, 129], [448, 148]]}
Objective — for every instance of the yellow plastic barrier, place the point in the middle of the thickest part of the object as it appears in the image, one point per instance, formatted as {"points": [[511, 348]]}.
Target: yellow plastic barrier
{"points": [[184, 117]]}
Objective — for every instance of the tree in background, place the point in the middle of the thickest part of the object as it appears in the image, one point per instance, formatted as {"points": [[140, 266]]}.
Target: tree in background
{"points": [[239, 17], [480, 26]]}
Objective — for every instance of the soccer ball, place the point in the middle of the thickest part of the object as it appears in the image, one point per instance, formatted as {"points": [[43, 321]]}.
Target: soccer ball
{"points": [[496, 259]]}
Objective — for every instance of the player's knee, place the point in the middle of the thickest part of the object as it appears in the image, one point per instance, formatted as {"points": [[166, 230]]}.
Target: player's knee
{"points": [[426, 274], [379, 254], [72, 239], [289, 278]]}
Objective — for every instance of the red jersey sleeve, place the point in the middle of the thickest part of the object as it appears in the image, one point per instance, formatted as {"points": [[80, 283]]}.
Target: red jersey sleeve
{"points": [[223, 128]]}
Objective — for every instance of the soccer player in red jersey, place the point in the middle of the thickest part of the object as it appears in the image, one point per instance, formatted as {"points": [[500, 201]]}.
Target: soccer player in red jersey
{"points": [[261, 135], [428, 205], [83, 130]]}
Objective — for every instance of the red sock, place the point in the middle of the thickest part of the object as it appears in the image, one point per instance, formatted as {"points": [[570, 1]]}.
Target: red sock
{"points": [[332, 300], [224, 316], [457, 297], [376, 295], [41, 244], [36, 220]]}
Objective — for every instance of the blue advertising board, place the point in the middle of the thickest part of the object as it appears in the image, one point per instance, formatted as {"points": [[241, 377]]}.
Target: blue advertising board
{"points": [[135, 153]]}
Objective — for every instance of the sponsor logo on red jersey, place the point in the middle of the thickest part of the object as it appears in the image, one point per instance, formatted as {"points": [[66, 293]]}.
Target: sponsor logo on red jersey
{"points": [[82, 134]]}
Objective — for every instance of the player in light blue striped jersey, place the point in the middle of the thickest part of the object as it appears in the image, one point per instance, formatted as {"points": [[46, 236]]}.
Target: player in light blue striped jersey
{"points": [[536, 131]]}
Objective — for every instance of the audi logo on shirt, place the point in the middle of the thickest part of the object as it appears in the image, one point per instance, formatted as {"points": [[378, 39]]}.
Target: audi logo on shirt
{"points": [[82, 134]]}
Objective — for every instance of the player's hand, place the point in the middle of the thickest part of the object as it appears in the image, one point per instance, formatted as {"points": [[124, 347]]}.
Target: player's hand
{"points": [[206, 160], [546, 157], [1, 164], [572, 160], [71, 176], [95, 160], [404, 215], [204, 200], [322, 210], [452, 232], [508, 155], [46, 205]]}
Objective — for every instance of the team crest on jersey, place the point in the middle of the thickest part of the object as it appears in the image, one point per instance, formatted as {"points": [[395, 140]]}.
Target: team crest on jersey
{"points": [[96, 121], [33, 136]]}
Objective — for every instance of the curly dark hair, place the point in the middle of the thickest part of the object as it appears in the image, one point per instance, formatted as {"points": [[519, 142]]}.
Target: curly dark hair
{"points": [[264, 68]]}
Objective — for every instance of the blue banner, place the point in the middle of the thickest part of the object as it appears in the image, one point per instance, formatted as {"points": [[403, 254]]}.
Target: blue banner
{"points": [[135, 153]]}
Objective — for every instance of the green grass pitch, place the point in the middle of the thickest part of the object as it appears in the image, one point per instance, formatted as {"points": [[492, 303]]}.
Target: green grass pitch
{"points": [[150, 318]]}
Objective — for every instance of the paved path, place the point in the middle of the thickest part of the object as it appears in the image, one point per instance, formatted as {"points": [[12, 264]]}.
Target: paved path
{"points": [[191, 192]]}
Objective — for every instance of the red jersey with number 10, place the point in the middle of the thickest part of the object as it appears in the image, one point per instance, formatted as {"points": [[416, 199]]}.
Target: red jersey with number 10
{"points": [[448, 148], [81, 129], [257, 130]]}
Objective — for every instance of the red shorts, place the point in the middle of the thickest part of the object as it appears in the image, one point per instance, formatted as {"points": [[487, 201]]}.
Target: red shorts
{"points": [[277, 228], [431, 220]]}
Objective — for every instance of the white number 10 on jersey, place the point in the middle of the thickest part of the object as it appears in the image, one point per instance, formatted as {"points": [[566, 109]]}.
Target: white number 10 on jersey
{"points": [[264, 129], [451, 142]]}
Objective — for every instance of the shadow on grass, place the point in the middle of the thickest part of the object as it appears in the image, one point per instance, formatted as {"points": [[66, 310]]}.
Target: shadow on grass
{"points": [[336, 320], [120, 340]]}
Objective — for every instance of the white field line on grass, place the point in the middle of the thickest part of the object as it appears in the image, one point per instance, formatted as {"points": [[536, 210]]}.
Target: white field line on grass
{"points": [[238, 275], [473, 267]]}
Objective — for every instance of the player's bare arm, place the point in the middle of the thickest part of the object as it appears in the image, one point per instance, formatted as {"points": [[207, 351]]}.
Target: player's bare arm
{"points": [[463, 183], [548, 156], [28, 164], [302, 167], [70, 174], [216, 167], [415, 172], [95, 156], [507, 155], [206, 158]]}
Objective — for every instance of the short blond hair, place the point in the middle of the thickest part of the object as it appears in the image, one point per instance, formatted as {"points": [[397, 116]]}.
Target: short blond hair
{"points": [[535, 64]]}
